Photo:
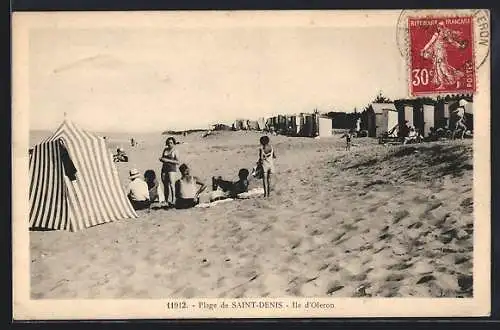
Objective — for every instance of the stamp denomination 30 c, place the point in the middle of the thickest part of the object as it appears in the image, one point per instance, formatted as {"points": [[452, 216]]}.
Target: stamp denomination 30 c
{"points": [[441, 57]]}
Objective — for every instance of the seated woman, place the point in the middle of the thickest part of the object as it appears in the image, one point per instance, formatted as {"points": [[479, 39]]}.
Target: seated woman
{"points": [[154, 187], [186, 190], [232, 188], [150, 177], [412, 136]]}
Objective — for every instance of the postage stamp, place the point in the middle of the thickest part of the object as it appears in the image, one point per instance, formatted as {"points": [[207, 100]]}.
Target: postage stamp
{"points": [[441, 55]]}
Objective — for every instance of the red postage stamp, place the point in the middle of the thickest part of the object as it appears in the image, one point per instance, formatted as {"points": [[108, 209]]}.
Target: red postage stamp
{"points": [[441, 55]]}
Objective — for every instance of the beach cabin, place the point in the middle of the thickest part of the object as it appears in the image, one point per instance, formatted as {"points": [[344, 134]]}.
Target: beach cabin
{"points": [[415, 117], [298, 124], [302, 119], [442, 115], [469, 116], [418, 118], [408, 115], [324, 127], [253, 125], [422, 115], [280, 124], [244, 124], [285, 125], [271, 123], [428, 112], [238, 124], [290, 125], [261, 123], [382, 117], [294, 125], [308, 126]]}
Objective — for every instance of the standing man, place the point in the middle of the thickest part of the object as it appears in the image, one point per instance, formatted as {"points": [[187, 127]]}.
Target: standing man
{"points": [[460, 123]]}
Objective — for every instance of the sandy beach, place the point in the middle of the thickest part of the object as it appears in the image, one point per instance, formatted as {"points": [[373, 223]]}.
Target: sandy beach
{"points": [[381, 221]]}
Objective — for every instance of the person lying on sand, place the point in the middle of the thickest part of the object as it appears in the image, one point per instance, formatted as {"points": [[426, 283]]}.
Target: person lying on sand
{"points": [[187, 192], [232, 189], [266, 160], [137, 191], [241, 185]]}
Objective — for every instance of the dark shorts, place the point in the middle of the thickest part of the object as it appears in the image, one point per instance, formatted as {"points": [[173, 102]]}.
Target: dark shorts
{"points": [[140, 205], [185, 203]]}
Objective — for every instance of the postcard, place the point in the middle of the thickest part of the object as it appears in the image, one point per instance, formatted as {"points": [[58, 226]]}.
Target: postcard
{"points": [[251, 164]]}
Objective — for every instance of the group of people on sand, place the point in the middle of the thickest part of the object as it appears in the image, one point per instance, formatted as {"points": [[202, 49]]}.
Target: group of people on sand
{"points": [[183, 192], [410, 134], [120, 156], [178, 192]]}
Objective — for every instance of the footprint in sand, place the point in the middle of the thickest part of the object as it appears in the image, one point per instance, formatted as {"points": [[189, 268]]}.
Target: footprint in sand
{"points": [[358, 219], [385, 236], [339, 237], [295, 242], [460, 259], [334, 287], [415, 225], [426, 278], [396, 277], [400, 215], [389, 289], [129, 270], [401, 265]]}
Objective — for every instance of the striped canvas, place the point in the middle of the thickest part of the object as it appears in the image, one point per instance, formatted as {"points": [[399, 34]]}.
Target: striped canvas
{"points": [[94, 197]]}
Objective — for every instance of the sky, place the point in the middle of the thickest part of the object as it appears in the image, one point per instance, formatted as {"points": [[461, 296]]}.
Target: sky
{"points": [[145, 79]]}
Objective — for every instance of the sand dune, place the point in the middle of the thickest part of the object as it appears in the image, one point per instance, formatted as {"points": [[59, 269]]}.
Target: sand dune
{"points": [[376, 221]]}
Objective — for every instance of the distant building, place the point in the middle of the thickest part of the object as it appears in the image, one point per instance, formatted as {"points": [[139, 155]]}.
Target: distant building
{"points": [[343, 120], [304, 124], [424, 114], [324, 126], [381, 118], [261, 123]]}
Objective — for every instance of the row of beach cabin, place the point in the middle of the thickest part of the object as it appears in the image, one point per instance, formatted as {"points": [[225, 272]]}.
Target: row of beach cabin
{"points": [[378, 119], [383, 117], [307, 125], [304, 124]]}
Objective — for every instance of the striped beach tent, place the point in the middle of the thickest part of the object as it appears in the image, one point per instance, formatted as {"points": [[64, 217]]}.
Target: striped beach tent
{"points": [[74, 183]]}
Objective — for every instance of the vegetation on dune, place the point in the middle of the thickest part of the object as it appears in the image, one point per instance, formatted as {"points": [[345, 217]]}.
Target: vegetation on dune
{"points": [[413, 162]]}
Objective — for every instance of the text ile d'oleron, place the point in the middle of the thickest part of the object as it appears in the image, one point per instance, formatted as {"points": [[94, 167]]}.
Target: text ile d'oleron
{"points": [[245, 304]]}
